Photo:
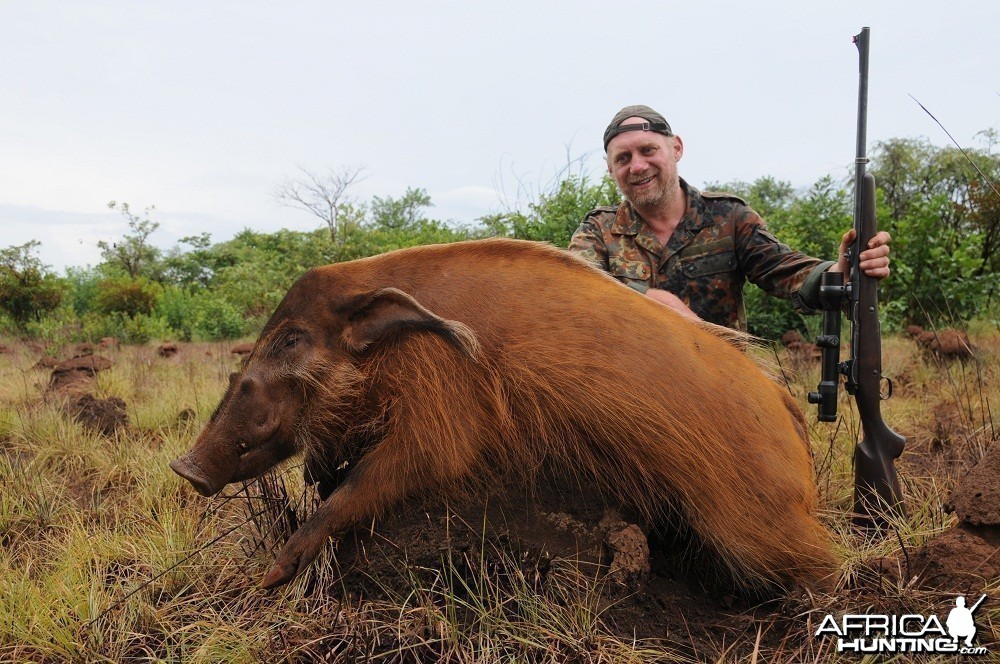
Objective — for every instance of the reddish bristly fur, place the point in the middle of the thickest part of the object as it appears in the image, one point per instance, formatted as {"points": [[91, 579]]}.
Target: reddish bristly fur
{"points": [[550, 362]]}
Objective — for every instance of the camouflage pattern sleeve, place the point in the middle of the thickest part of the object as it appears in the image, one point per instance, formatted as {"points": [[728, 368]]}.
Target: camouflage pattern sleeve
{"points": [[775, 267], [588, 242]]}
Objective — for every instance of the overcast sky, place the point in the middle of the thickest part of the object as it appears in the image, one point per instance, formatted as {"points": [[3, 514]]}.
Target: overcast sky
{"points": [[201, 108]]}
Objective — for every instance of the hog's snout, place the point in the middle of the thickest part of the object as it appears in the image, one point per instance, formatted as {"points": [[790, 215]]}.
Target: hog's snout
{"points": [[187, 468]]}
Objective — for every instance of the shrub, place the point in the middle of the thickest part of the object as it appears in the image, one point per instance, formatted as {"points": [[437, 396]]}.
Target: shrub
{"points": [[217, 319], [203, 315], [27, 289], [178, 307], [138, 329], [770, 317], [126, 295]]}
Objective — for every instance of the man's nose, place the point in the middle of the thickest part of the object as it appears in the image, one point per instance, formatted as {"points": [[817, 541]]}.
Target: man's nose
{"points": [[638, 165]]}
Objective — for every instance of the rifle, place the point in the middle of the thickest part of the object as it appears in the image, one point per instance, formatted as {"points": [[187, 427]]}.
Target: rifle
{"points": [[876, 485]]}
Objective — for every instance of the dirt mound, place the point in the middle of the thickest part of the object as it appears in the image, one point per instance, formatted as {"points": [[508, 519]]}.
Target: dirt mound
{"points": [[535, 528], [967, 557], [952, 343], [75, 374], [945, 343], [105, 416], [791, 337], [804, 352], [242, 349], [47, 362], [34, 346], [962, 560], [87, 363], [976, 499], [167, 349], [800, 351], [108, 342], [648, 588], [5, 350]]}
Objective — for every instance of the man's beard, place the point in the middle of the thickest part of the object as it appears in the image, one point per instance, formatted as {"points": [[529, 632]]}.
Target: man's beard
{"points": [[659, 194]]}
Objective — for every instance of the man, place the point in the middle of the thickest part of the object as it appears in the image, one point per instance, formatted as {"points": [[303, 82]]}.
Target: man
{"points": [[692, 250]]}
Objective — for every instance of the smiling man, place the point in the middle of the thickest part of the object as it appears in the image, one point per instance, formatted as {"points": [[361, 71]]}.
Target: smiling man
{"points": [[693, 250]]}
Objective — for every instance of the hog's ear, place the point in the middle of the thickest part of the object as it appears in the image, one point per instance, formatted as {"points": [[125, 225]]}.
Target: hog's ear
{"points": [[386, 311]]}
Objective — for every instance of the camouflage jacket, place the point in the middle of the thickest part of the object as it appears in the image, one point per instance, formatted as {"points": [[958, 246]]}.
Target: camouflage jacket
{"points": [[719, 243]]}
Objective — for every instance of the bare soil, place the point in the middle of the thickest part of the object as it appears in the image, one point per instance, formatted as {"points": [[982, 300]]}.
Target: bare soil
{"points": [[105, 416], [74, 375], [651, 587], [976, 499]]}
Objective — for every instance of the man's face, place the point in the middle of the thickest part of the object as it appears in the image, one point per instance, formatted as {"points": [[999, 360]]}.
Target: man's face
{"points": [[644, 165]]}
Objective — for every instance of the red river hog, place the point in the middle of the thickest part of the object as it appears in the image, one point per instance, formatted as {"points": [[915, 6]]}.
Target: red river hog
{"points": [[437, 369]]}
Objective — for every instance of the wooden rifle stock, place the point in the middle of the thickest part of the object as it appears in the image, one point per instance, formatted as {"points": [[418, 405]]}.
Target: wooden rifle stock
{"points": [[876, 485]]}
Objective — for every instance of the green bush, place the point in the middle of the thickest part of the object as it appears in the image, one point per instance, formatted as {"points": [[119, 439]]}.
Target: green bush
{"points": [[56, 328], [141, 328], [126, 295], [138, 329], [84, 285], [557, 213], [200, 315], [770, 317], [936, 267], [217, 319], [178, 307]]}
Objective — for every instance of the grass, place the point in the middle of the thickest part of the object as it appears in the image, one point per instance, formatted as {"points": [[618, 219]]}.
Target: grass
{"points": [[108, 556]]}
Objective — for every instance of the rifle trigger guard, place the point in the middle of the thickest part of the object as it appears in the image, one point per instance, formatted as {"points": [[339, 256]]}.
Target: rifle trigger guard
{"points": [[889, 395]]}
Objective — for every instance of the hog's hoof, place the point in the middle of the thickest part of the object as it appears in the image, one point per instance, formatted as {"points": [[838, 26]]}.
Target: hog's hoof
{"points": [[297, 554], [276, 576]]}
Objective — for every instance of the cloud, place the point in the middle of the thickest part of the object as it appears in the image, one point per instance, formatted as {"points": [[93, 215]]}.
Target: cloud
{"points": [[464, 204], [70, 238]]}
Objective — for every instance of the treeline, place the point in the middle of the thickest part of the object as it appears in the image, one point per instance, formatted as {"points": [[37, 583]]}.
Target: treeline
{"points": [[943, 216]]}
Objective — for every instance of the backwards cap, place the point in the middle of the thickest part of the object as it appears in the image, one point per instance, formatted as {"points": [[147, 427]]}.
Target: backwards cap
{"points": [[654, 122]]}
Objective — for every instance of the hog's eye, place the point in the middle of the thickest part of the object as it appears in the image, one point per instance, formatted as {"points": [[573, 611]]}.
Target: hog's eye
{"points": [[291, 341]]}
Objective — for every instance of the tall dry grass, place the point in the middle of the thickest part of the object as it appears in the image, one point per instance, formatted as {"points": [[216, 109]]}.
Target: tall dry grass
{"points": [[106, 555]]}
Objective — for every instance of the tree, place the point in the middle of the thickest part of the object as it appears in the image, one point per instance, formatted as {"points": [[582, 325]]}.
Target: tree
{"points": [[944, 215], [130, 296], [194, 267], [400, 213], [769, 197], [132, 253], [324, 196], [27, 289], [913, 171], [557, 213], [984, 213]]}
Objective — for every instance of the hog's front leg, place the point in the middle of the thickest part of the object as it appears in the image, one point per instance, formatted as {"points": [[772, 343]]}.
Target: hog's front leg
{"points": [[345, 507], [384, 478]]}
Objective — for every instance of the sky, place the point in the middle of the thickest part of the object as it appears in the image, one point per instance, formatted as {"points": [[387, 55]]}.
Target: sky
{"points": [[201, 109]]}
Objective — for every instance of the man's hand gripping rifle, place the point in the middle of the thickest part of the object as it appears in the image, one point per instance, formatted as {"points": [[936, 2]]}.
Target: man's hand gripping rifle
{"points": [[877, 493]]}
